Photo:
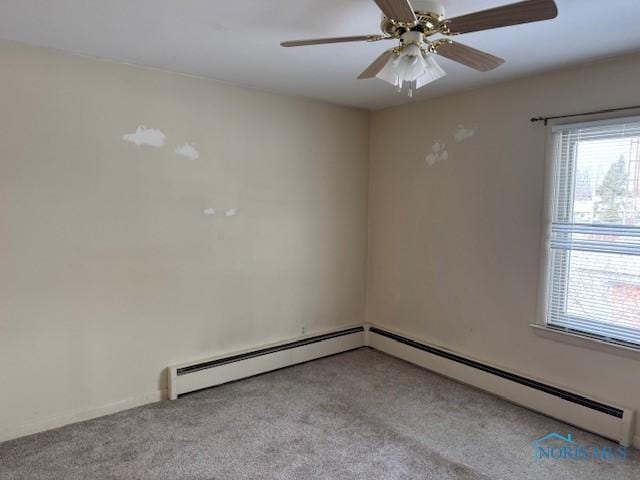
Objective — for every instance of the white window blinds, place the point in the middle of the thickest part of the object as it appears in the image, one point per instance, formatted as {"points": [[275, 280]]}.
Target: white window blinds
{"points": [[593, 285]]}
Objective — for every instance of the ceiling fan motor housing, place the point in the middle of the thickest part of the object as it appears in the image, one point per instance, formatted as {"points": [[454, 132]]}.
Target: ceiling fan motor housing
{"points": [[429, 14], [428, 6]]}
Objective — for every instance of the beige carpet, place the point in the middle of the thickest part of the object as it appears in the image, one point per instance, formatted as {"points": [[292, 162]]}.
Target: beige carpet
{"points": [[359, 415]]}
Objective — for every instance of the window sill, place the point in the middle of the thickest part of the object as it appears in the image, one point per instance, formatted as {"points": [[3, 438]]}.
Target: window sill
{"points": [[586, 342]]}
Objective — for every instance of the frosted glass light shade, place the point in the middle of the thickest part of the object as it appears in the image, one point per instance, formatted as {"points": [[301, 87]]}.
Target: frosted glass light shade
{"points": [[411, 68]]}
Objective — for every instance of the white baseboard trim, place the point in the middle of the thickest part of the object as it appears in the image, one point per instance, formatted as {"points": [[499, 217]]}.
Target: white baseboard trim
{"points": [[41, 425], [534, 400], [585, 417], [309, 352], [209, 372]]}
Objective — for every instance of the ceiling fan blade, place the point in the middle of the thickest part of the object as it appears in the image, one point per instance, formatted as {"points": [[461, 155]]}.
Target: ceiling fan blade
{"points": [[513, 14], [322, 41], [377, 65], [468, 56], [399, 10]]}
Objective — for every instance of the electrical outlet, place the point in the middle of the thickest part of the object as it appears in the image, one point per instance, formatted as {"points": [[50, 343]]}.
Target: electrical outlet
{"points": [[303, 330]]}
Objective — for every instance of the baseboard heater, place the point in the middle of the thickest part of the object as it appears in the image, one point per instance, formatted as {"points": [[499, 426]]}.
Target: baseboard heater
{"points": [[610, 421], [192, 376]]}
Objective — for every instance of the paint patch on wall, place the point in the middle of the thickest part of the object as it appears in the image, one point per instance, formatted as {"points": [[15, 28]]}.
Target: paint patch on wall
{"points": [[231, 212], [188, 150], [438, 153], [209, 211], [461, 133], [146, 136]]}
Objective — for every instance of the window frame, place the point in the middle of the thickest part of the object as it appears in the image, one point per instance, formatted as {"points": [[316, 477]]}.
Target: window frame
{"points": [[551, 188]]}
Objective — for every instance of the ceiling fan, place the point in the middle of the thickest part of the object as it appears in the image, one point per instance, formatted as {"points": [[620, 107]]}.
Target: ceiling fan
{"points": [[411, 63]]}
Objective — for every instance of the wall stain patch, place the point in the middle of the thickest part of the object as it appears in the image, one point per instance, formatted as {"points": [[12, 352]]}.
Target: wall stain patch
{"points": [[438, 153], [231, 212], [209, 211], [146, 136], [461, 133], [188, 150]]}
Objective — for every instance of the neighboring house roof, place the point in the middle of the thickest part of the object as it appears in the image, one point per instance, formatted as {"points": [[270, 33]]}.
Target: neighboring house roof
{"points": [[568, 438]]}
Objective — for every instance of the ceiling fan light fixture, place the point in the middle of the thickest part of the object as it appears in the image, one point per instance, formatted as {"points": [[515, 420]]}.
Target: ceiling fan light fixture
{"points": [[411, 68], [415, 22]]}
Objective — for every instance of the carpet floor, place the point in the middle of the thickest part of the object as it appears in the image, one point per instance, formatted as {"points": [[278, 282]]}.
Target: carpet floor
{"points": [[357, 415]]}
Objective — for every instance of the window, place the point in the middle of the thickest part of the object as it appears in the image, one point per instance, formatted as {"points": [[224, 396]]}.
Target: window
{"points": [[593, 274]]}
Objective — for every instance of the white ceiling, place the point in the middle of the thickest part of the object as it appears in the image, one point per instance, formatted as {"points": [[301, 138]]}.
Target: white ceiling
{"points": [[237, 41]]}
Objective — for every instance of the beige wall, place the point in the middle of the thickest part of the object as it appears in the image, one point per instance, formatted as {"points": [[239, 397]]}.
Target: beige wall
{"points": [[454, 249], [110, 271]]}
